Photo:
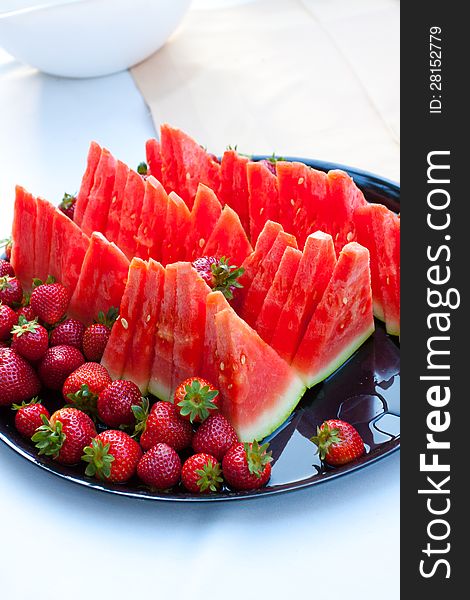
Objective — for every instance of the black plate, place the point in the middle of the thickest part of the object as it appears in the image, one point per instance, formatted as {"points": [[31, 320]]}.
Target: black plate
{"points": [[365, 391]]}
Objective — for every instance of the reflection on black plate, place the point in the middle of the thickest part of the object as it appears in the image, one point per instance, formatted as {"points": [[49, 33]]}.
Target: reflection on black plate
{"points": [[365, 391]]}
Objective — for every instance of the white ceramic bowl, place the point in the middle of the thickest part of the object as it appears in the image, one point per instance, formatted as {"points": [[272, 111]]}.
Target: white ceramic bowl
{"points": [[88, 38]]}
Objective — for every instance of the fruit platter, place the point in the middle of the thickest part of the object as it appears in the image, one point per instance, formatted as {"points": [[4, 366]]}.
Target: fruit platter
{"points": [[203, 328]]}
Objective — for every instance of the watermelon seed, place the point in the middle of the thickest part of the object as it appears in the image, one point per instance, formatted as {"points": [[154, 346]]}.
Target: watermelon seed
{"points": [[125, 324], [350, 236], [148, 318], [388, 280], [261, 211], [202, 243], [243, 359], [188, 175], [345, 300], [301, 180], [292, 201], [341, 326], [222, 366]]}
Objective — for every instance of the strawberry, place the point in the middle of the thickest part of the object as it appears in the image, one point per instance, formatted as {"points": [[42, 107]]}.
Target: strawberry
{"points": [[30, 339], [69, 332], [270, 163], [64, 435], [215, 436], [201, 473], [6, 269], [27, 312], [8, 319], [11, 292], [49, 301], [112, 456], [28, 416], [160, 467], [83, 386], [67, 205], [115, 403], [196, 398], [163, 424], [247, 466], [6, 244], [218, 274], [57, 364], [18, 380], [338, 442], [96, 336]]}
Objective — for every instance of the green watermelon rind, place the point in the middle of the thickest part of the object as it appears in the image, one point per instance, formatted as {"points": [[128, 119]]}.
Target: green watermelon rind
{"points": [[158, 390]]}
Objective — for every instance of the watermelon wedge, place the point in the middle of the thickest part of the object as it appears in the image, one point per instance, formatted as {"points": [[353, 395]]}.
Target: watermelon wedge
{"points": [[94, 154], [342, 321], [307, 288], [152, 227], [259, 390], [113, 224], [95, 217], [154, 158], [44, 222], [263, 197], [204, 216], [228, 239], [234, 185], [215, 302], [116, 353], [131, 213], [177, 225], [23, 235]]}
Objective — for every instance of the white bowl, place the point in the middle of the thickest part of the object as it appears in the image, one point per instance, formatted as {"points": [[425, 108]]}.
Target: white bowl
{"points": [[88, 38]]}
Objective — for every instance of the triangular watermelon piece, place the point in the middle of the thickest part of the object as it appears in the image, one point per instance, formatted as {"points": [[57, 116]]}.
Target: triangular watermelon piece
{"points": [[23, 235], [113, 224], [131, 213], [342, 321], [307, 288], [204, 216], [42, 251], [263, 197], [95, 217], [177, 226], [215, 302], [154, 158], [152, 229], [116, 353], [259, 390], [102, 280], [94, 154], [186, 164], [228, 239], [234, 185]]}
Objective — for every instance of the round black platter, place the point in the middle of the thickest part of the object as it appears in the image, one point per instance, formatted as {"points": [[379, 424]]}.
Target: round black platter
{"points": [[365, 391]]}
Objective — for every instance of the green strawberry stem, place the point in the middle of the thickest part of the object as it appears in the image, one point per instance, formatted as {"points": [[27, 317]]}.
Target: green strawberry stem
{"points": [[37, 282], [35, 400], [324, 439], [197, 401], [48, 438], [209, 477], [142, 168], [109, 318], [85, 400], [141, 414], [67, 201], [226, 277], [25, 326], [99, 460], [257, 457]]}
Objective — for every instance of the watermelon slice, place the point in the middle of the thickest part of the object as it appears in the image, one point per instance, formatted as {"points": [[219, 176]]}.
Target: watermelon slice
{"points": [[95, 217], [177, 225], [152, 228], [204, 216], [215, 302], [116, 353], [342, 321], [24, 237], [113, 224], [131, 213], [307, 288], [264, 277], [154, 158], [102, 280], [259, 390], [277, 294], [42, 250], [160, 383], [263, 197], [228, 239], [186, 164], [94, 154], [234, 185]]}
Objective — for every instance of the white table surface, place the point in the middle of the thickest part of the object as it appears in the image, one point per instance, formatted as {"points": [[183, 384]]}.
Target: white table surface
{"points": [[342, 535]]}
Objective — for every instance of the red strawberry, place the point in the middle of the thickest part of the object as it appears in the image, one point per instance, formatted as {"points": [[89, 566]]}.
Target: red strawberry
{"points": [[163, 424], [27, 312], [270, 163], [30, 339], [160, 467], [65, 435], [18, 380], [218, 274], [83, 386], [201, 473], [247, 466], [6, 269], [113, 456], [57, 364], [215, 436], [115, 403], [28, 416], [96, 336], [196, 398], [69, 332], [11, 292], [67, 205], [49, 301], [338, 442], [8, 319]]}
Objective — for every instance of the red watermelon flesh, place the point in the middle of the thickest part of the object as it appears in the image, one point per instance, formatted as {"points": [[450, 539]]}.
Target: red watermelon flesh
{"points": [[307, 288], [152, 227], [102, 280], [215, 302], [160, 383], [177, 225], [259, 390], [342, 321], [24, 237], [204, 216], [94, 154], [186, 164], [190, 322], [228, 239], [264, 277], [95, 217], [263, 197], [131, 213], [154, 158], [277, 294], [113, 224], [116, 353], [42, 251], [234, 185]]}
